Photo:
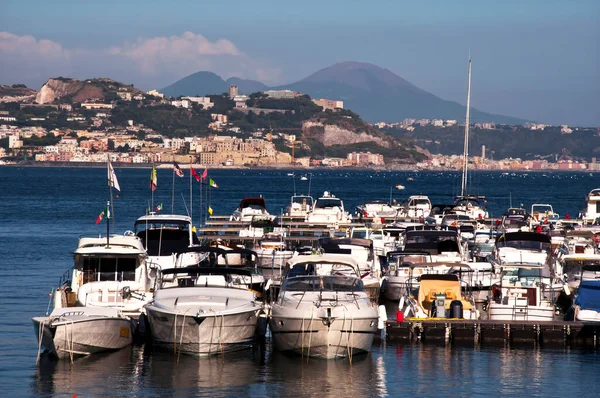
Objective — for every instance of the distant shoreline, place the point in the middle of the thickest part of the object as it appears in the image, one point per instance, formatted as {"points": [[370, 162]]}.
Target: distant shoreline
{"points": [[159, 166]]}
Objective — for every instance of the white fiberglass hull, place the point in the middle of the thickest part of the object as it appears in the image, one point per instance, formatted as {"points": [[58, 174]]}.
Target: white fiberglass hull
{"points": [[77, 336], [503, 312], [300, 332], [394, 288], [271, 259], [208, 334], [587, 315]]}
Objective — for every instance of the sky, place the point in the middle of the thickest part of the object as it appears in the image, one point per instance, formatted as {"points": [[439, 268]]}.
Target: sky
{"points": [[533, 59]]}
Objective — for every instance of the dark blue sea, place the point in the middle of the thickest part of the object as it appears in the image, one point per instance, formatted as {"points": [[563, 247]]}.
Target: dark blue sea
{"points": [[43, 211]]}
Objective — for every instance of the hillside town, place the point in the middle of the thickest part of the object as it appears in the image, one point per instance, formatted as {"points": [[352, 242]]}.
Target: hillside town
{"points": [[88, 136]]}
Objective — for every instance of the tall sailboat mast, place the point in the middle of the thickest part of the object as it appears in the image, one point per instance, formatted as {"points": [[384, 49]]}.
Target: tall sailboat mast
{"points": [[466, 147]]}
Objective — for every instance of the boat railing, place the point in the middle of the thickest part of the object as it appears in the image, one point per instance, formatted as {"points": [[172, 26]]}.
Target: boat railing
{"points": [[65, 278], [103, 235]]}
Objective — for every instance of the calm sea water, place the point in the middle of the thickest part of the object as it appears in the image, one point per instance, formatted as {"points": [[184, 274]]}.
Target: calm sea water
{"points": [[44, 210]]}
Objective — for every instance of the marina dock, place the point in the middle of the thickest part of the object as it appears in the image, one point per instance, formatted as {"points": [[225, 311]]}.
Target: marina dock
{"points": [[555, 333]]}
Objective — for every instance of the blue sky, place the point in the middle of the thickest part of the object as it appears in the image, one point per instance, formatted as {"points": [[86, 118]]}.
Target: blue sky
{"points": [[531, 58]]}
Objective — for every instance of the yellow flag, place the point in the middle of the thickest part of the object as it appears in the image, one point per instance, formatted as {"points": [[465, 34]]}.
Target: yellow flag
{"points": [[210, 210]]}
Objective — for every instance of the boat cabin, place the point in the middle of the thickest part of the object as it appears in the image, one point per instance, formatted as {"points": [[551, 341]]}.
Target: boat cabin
{"points": [[165, 234], [592, 206]]}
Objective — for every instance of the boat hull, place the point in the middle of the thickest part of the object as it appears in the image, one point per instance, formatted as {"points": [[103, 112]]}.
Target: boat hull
{"points": [[319, 338], [66, 338], [203, 335], [501, 312]]}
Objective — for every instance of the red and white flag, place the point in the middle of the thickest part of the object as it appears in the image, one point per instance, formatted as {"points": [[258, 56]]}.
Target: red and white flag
{"points": [[205, 174], [177, 170]]}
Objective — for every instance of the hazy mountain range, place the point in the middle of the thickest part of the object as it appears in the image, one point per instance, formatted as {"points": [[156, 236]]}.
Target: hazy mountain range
{"points": [[375, 93]]}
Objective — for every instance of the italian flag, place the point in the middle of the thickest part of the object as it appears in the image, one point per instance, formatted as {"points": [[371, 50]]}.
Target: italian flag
{"points": [[212, 183], [105, 213]]}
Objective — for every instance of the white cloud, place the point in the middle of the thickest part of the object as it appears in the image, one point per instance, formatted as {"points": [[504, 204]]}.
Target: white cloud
{"points": [[149, 62]]}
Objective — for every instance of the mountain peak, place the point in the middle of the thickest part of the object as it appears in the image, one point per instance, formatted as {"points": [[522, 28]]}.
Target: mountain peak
{"points": [[360, 75]]}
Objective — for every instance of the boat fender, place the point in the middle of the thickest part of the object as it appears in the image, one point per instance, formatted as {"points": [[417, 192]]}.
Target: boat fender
{"points": [[267, 285], [382, 317]]}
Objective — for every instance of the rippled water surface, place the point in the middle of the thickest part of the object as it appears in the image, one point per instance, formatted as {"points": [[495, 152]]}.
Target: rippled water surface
{"points": [[44, 210]]}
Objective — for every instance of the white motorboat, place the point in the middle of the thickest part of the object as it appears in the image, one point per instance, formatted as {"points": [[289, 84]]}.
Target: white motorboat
{"points": [[165, 237], [543, 213], [198, 310], [474, 207], [522, 295], [300, 206], [377, 209], [328, 210], [273, 253], [580, 266], [444, 245], [592, 207], [250, 208], [108, 272], [400, 266], [78, 331], [418, 206], [382, 238], [322, 309], [361, 251]]}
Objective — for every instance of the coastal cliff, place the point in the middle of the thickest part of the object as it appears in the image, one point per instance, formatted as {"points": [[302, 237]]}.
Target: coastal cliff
{"points": [[334, 134], [73, 90]]}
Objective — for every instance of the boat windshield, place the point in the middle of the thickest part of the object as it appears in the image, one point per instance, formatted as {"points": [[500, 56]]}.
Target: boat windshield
{"points": [[323, 283], [302, 200], [521, 276], [419, 202], [359, 233], [327, 203], [98, 268], [525, 244]]}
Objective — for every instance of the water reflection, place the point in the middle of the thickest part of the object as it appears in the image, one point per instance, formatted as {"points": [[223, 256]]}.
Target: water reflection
{"points": [[91, 375], [229, 374], [297, 376], [389, 370]]}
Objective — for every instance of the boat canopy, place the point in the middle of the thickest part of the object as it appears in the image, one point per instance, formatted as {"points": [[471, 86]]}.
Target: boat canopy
{"points": [[163, 219], [326, 203], [480, 201], [588, 295], [315, 283], [253, 203], [523, 236]]}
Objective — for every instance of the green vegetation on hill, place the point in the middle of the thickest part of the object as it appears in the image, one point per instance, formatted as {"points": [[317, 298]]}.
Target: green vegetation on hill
{"points": [[507, 141]]}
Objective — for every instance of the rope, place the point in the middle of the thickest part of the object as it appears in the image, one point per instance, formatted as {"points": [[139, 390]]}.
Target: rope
{"points": [[175, 335], [181, 336], [309, 333], [70, 345], [221, 337], [40, 330], [302, 340]]}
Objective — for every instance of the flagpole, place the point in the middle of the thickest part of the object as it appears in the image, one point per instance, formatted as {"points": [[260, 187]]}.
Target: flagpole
{"points": [[207, 202], [173, 194], [107, 225], [152, 190], [110, 185], [201, 183], [191, 197]]}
